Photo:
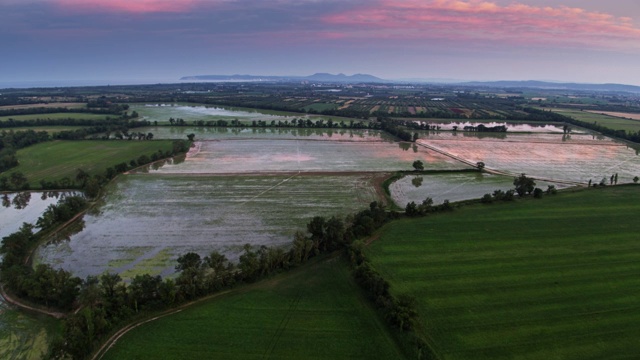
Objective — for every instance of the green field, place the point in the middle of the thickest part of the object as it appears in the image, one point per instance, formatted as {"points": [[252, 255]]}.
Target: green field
{"points": [[315, 312], [611, 122], [49, 129], [58, 159], [555, 278], [59, 116]]}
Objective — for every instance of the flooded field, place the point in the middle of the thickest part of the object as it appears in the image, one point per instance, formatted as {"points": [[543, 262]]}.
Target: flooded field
{"points": [[580, 158], [23, 336], [538, 138], [451, 186], [18, 208], [222, 133], [259, 186], [250, 156], [511, 127], [191, 112], [147, 221]]}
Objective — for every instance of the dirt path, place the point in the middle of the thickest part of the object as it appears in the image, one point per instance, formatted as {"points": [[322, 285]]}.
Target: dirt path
{"points": [[21, 305], [120, 333]]}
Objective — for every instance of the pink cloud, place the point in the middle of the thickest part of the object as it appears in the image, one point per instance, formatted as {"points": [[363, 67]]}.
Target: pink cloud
{"points": [[127, 6], [486, 20]]}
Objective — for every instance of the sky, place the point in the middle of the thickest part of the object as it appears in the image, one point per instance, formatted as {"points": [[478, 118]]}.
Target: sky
{"points": [[586, 41]]}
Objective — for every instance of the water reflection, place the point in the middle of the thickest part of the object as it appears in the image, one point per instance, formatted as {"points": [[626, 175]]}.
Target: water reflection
{"points": [[21, 200], [417, 181], [473, 126], [210, 133], [67, 232], [18, 208]]}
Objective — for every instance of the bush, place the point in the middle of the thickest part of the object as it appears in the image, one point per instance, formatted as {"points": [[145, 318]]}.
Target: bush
{"points": [[486, 199], [537, 193]]}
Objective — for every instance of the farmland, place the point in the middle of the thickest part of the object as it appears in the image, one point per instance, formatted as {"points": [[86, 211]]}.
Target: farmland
{"points": [[162, 113], [450, 186], [553, 278], [67, 105], [578, 158], [24, 336], [59, 159], [58, 116], [262, 155], [147, 221], [313, 312], [524, 279], [617, 123], [49, 129], [224, 133]]}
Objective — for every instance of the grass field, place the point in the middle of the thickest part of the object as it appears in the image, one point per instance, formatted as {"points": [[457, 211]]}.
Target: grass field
{"points": [[58, 116], [57, 159], [315, 312], [49, 129], [555, 278], [611, 122], [45, 105]]}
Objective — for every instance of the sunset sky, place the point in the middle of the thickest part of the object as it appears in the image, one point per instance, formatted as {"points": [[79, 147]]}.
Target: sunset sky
{"points": [[162, 40]]}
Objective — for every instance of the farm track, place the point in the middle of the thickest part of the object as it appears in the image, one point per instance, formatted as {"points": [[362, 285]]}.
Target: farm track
{"points": [[120, 333], [17, 303], [111, 341], [494, 171]]}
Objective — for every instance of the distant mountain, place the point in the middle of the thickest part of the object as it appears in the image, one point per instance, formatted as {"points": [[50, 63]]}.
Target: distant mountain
{"points": [[325, 77], [318, 77], [553, 85]]}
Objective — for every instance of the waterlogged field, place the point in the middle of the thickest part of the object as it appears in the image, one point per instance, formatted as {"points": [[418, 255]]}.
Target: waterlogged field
{"points": [[147, 221], [511, 126], [190, 113], [451, 186], [250, 156], [18, 208], [314, 312], [24, 336], [221, 133], [555, 278], [577, 158], [55, 160]]}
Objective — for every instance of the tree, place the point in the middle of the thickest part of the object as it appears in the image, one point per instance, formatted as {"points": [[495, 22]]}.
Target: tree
{"points": [[635, 179], [537, 193], [249, 263], [216, 261], [191, 274], [191, 136], [480, 165], [18, 180], [524, 185], [418, 165], [82, 177]]}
